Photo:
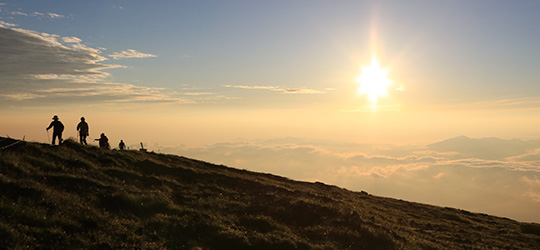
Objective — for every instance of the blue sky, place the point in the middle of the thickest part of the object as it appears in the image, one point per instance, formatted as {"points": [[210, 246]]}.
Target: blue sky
{"points": [[244, 83], [442, 51]]}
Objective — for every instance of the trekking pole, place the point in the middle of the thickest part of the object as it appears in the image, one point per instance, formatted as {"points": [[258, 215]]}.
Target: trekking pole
{"points": [[48, 137]]}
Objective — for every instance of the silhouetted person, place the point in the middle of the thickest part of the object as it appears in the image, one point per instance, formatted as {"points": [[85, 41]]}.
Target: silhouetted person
{"points": [[57, 130], [122, 145], [103, 141], [82, 127]]}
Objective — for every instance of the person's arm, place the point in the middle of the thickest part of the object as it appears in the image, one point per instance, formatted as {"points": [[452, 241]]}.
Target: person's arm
{"points": [[50, 126]]}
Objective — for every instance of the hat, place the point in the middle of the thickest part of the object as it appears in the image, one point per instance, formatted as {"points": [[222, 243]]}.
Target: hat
{"points": [[82, 118], [55, 117]]}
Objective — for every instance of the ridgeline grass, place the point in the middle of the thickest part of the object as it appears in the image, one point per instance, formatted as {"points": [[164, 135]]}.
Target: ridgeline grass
{"points": [[82, 197]]}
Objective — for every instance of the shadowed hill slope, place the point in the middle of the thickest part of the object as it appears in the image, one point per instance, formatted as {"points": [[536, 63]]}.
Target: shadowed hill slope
{"points": [[74, 196]]}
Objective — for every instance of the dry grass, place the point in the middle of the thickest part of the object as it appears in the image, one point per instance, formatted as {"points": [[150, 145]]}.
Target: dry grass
{"points": [[75, 196]]}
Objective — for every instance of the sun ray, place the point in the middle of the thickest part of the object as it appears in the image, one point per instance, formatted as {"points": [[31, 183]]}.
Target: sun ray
{"points": [[374, 81]]}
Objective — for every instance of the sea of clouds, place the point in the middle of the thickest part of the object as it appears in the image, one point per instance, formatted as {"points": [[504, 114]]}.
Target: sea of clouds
{"points": [[485, 175]]}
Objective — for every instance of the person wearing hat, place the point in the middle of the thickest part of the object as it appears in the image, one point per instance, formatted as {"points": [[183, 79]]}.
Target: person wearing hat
{"points": [[57, 131], [82, 127]]}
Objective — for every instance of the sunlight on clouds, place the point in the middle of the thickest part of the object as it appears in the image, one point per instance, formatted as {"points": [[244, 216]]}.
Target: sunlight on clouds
{"points": [[197, 93], [21, 96], [6, 24], [49, 15], [130, 53], [38, 14], [521, 103], [416, 173], [71, 39], [535, 197], [439, 175], [54, 69], [532, 181], [94, 77], [277, 89]]}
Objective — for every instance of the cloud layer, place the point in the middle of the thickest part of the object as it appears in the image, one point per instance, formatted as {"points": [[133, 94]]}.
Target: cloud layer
{"points": [[441, 174]]}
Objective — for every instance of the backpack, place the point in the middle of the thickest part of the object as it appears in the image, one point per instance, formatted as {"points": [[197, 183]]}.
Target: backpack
{"points": [[60, 127]]}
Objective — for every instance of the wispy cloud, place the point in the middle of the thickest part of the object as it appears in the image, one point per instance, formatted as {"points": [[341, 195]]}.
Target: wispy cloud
{"points": [[277, 89], [49, 15], [38, 14], [33, 53], [71, 40], [525, 103], [19, 13], [50, 68], [6, 24], [130, 53]]}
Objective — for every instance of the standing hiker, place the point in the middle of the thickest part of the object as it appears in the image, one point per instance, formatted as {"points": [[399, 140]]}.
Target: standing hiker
{"points": [[82, 127], [121, 145], [57, 131], [103, 141]]}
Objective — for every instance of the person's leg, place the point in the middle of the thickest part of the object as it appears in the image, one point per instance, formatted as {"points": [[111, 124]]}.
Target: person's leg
{"points": [[54, 138], [60, 138]]}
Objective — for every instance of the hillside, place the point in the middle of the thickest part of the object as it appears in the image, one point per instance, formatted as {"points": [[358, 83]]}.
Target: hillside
{"points": [[82, 197]]}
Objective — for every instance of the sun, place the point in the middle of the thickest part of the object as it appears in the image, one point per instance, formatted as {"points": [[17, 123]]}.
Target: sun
{"points": [[374, 81]]}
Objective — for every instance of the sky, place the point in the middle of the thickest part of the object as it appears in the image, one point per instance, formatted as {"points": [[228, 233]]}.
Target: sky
{"points": [[276, 86]]}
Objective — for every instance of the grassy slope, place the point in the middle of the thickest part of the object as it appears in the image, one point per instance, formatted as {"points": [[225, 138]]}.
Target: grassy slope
{"points": [[75, 196]]}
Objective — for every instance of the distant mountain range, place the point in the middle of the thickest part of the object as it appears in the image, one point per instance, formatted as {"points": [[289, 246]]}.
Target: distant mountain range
{"points": [[485, 148], [83, 197]]}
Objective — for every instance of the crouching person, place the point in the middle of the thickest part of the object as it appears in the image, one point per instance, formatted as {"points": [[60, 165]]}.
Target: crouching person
{"points": [[103, 141]]}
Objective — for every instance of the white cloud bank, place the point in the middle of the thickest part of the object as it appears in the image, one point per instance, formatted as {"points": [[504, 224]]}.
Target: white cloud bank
{"points": [[461, 172]]}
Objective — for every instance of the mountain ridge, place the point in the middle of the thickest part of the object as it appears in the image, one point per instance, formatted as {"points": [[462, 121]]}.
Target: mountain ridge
{"points": [[75, 196], [491, 148]]}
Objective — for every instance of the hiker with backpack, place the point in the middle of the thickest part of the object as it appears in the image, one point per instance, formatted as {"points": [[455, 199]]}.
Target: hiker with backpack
{"points": [[58, 128], [82, 127]]}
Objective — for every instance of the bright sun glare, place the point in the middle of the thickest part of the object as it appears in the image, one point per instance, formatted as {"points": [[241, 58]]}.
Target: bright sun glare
{"points": [[373, 81]]}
